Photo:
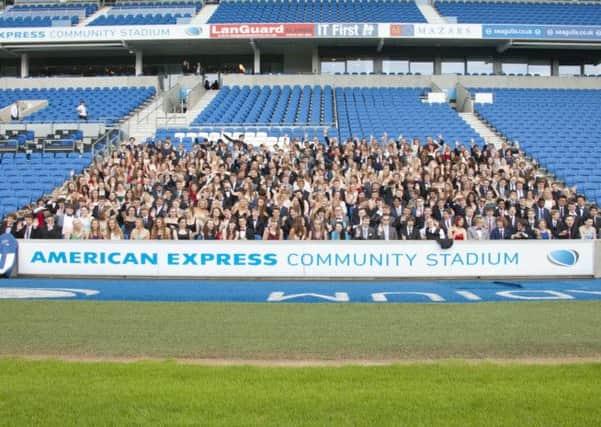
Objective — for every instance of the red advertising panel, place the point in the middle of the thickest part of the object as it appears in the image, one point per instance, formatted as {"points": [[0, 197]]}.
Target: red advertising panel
{"points": [[250, 31]]}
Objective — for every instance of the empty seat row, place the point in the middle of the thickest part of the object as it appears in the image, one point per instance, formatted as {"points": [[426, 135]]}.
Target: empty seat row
{"points": [[316, 11], [526, 12], [278, 105], [108, 105]]}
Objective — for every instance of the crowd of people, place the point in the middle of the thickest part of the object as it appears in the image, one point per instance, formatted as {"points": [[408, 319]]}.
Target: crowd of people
{"points": [[311, 189]]}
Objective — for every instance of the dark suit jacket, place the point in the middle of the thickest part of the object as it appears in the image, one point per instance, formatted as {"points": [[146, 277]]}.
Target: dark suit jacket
{"points": [[497, 235], [55, 233], [257, 228], [573, 232], [555, 229], [414, 235], [34, 234]]}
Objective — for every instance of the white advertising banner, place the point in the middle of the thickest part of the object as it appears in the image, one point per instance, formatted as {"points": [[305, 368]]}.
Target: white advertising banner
{"points": [[103, 33], [216, 259], [434, 31]]}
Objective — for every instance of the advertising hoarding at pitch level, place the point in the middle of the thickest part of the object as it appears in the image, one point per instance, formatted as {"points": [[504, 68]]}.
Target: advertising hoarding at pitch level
{"points": [[398, 259]]}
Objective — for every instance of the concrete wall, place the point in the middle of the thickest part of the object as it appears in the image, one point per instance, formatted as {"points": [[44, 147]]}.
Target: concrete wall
{"points": [[464, 101], [49, 82], [530, 82], [442, 82], [327, 79], [26, 108]]}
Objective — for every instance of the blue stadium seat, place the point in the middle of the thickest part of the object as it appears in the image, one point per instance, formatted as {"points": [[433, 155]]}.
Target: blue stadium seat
{"points": [[257, 11], [539, 13], [145, 13], [108, 105], [558, 127]]}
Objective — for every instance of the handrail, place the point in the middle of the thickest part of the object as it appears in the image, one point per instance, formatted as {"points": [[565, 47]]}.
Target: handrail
{"points": [[264, 125]]}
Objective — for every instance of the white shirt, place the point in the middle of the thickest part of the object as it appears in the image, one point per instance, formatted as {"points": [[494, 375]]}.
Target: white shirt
{"points": [[68, 224], [82, 110], [14, 111]]}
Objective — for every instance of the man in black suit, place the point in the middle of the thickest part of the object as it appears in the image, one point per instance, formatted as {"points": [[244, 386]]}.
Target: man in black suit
{"points": [[581, 209], [244, 231], [562, 207], [9, 225], [469, 217], [147, 219], [52, 231], [409, 231], [570, 229], [556, 224], [257, 223], [594, 213], [28, 229], [512, 218]]}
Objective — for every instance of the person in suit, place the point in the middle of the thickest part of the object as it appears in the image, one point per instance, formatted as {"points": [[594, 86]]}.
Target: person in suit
{"points": [[28, 229], [512, 218], [365, 231], [521, 232], [52, 231], [596, 216], [469, 217], [556, 223], [541, 212], [257, 223], [147, 220], [432, 230], [562, 207], [478, 231], [447, 221], [570, 229], [581, 210], [243, 231], [9, 225], [501, 232], [338, 216], [386, 231], [409, 231]]}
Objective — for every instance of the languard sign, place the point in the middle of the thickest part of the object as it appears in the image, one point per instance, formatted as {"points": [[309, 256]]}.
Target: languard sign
{"points": [[299, 31], [304, 259]]}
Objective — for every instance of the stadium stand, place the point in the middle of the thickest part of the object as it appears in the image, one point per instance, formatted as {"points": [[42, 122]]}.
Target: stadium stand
{"points": [[270, 106], [502, 12], [26, 177], [374, 111], [46, 15], [107, 105], [316, 11], [225, 189], [148, 13], [555, 126]]}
